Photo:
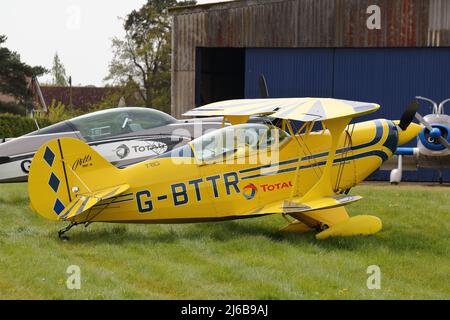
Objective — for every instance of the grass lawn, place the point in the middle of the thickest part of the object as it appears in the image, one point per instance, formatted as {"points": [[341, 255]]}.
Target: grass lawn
{"points": [[246, 259]]}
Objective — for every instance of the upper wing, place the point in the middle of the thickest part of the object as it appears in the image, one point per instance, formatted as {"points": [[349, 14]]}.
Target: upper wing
{"points": [[301, 109], [86, 201]]}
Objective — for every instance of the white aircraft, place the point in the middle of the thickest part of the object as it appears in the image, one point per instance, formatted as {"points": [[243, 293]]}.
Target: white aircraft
{"points": [[433, 145]]}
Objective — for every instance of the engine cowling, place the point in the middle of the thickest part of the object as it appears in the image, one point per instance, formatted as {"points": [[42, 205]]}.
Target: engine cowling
{"points": [[430, 139]]}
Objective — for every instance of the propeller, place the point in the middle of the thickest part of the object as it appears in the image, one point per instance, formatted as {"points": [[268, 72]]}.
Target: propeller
{"points": [[263, 91], [408, 115], [434, 132], [432, 102], [264, 94]]}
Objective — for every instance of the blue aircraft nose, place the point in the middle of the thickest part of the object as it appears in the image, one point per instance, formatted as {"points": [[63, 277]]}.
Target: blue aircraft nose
{"points": [[432, 139]]}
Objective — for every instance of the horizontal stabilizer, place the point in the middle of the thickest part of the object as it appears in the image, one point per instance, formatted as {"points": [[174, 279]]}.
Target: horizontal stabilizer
{"points": [[86, 201]]}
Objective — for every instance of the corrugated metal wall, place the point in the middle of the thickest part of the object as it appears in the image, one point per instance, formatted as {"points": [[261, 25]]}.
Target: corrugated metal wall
{"points": [[294, 24], [391, 77], [305, 72], [439, 23]]}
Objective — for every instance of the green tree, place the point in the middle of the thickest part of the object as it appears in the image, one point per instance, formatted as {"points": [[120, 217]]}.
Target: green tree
{"points": [[59, 77], [129, 91], [144, 53], [14, 74]]}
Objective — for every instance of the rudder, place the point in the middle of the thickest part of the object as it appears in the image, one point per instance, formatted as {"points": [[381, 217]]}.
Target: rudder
{"points": [[64, 169]]}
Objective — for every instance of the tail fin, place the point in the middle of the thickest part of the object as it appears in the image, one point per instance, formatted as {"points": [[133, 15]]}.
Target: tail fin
{"points": [[67, 177]]}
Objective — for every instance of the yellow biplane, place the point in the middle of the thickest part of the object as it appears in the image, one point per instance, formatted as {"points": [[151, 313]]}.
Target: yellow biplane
{"points": [[302, 168]]}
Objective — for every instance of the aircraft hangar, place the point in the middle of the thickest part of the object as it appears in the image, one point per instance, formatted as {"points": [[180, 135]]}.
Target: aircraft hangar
{"points": [[383, 51]]}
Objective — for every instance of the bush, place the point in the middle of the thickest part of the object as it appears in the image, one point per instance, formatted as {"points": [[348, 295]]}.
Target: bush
{"points": [[12, 126], [57, 112], [12, 107]]}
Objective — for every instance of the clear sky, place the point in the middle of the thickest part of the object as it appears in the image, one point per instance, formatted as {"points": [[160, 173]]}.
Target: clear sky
{"points": [[79, 30]]}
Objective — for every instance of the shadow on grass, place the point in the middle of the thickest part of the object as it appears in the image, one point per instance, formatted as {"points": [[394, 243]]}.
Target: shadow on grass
{"points": [[401, 240], [220, 231]]}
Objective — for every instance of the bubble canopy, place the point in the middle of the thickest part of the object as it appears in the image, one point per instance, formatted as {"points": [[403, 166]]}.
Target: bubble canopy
{"points": [[111, 122], [227, 141]]}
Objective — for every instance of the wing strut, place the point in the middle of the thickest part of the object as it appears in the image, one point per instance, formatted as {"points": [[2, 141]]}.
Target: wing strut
{"points": [[323, 187]]}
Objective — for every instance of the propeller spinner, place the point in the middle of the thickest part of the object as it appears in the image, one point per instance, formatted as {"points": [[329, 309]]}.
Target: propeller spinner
{"points": [[434, 133]]}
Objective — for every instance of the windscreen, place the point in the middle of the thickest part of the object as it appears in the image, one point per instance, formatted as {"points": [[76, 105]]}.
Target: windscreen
{"points": [[222, 143]]}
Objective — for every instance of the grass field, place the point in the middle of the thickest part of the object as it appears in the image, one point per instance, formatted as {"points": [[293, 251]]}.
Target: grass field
{"points": [[247, 259]]}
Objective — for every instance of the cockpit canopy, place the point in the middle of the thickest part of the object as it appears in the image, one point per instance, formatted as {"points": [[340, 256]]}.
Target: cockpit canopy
{"points": [[111, 122], [227, 141]]}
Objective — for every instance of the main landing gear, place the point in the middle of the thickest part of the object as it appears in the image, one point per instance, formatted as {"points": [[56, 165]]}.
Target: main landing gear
{"points": [[441, 179]]}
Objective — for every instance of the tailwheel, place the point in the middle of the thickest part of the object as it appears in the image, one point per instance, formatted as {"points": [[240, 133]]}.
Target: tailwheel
{"points": [[62, 233], [63, 237]]}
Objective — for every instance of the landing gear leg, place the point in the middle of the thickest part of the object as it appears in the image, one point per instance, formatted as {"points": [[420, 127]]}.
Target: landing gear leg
{"points": [[441, 179], [322, 227], [61, 233]]}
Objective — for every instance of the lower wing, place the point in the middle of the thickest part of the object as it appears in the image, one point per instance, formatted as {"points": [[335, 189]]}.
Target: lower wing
{"points": [[294, 205]]}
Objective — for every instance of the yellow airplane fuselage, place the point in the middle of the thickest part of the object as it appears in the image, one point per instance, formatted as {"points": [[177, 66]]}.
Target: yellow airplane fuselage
{"points": [[164, 191]]}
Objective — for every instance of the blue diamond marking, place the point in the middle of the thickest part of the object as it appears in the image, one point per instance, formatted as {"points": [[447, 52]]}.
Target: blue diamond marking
{"points": [[49, 156], [58, 207], [54, 182]]}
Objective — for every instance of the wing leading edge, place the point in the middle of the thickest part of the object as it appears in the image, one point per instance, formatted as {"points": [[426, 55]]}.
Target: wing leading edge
{"points": [[300, 109]]}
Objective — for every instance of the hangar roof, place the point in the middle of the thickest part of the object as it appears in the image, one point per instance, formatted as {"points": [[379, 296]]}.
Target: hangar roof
{"points": [[218, 6]]}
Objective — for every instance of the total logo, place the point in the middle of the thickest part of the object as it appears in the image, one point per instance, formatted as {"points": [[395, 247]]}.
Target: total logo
{"points": [[139, 148], [249, 191], [276, 186], [122, 151]]}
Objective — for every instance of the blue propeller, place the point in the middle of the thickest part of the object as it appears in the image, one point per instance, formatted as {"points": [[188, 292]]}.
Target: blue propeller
{"points": [[435, 133]]}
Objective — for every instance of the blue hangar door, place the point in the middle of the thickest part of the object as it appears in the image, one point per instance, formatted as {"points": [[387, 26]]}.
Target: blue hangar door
{"points": [[391, 77]]}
